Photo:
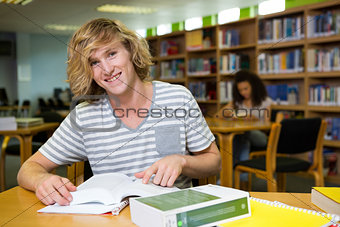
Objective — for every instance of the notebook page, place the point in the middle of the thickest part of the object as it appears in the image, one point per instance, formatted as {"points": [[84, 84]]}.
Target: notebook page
{"points": [[267, 213]]}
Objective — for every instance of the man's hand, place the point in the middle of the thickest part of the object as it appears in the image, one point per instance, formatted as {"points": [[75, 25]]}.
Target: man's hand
{"points": [[54, 189], [166, 169]]}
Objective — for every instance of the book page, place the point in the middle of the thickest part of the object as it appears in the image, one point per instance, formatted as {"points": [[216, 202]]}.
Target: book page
{"points": [[87, 208], [101, 188], [137, 188]]}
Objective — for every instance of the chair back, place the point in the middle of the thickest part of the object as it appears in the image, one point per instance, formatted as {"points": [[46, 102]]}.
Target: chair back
{"points": [[50, 116], [298, 135], [272, 147]]}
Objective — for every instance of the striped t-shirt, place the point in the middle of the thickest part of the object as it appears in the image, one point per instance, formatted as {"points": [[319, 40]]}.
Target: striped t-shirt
{"points": [[173, 125]]}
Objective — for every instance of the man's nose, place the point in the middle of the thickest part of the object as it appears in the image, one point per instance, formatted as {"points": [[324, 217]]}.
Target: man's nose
{"points": [[107, 68]]}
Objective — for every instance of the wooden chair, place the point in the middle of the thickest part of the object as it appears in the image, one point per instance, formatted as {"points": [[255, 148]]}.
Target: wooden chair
{"points": [[75, 173], [270, 161], [18, 149], [296, 136]]}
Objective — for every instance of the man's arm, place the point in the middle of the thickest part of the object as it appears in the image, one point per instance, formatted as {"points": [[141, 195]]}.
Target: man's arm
{"points": [[202, 164], [35, 175]]}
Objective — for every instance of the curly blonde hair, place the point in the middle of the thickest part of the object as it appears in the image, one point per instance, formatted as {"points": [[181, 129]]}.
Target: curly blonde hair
{"points": [[93, 35]]}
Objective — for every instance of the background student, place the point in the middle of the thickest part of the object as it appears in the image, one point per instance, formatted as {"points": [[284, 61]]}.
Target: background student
{"points": [[108, 67], [250, 101]]}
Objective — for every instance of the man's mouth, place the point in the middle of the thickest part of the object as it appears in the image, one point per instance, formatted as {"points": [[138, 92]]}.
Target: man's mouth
{"points": [[113, 77]]}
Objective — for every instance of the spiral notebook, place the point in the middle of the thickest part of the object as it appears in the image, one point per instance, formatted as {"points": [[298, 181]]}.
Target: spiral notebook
{"points": [[267, 213]]}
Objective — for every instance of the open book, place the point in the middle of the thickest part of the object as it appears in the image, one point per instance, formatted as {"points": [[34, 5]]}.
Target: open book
{"points": [[103, 193]]}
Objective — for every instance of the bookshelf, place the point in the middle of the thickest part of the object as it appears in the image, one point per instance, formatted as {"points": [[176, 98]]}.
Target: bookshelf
{"points": [[301, 36]]}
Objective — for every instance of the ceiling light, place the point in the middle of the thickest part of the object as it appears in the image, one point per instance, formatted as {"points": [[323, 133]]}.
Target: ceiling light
{"points": [[193, 23], [16, 2], [271, 6], [61, 27], [125, 9], [229, 15]]}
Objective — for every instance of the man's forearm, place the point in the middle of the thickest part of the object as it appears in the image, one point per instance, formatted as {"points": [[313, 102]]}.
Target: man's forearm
{"points": [[30, 174], [203, 165]]}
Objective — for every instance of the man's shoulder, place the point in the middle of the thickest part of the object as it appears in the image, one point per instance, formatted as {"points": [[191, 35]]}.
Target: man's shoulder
{"points": [[90, 106], [165, 86]]}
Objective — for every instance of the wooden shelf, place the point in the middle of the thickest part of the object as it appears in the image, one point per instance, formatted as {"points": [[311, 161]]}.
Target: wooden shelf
{"points": [[241, 21], [207, 102], [324, 108], [151, 38], [332, 143], [202, 50], [249, 30], [295, 10], [239, 47], [173, 80], [211, 75], [333, 179], [227, 74], [281, 44], [171, 57], [289, 107], [282, 76], [323, 74], [322, 40], [173, 34]]}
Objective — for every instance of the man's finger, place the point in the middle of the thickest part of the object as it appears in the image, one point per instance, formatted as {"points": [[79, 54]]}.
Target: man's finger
{"points": [[165, 178], [148, 173], [57, 197], [172, 180], [140, 174], [159, 176]]}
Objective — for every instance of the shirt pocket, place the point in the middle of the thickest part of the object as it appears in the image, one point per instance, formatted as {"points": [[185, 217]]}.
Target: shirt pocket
{"points": [[168, 140]]}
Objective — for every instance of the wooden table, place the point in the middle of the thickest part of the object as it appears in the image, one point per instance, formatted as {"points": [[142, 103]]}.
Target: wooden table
{"points": [[18, 207], [226, 130], [24, 135]]}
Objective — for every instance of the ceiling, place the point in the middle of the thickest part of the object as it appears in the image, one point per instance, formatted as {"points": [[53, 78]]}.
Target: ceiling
{"points": [[32, 17]]}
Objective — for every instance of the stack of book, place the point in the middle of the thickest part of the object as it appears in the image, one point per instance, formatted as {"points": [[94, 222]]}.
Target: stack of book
{"points": [[28, 122], [327, 199]]}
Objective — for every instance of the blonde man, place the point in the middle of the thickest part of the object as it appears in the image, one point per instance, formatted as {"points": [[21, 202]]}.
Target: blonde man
{"points": [[126, 124]]}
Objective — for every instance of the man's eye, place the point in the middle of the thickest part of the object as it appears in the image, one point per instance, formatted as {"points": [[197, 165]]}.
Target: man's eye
{"points": [[111, 54], [94, 63]]}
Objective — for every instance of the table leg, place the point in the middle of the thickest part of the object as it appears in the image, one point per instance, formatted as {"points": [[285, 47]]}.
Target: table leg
{"points": [[26, 149], [226, 149]]}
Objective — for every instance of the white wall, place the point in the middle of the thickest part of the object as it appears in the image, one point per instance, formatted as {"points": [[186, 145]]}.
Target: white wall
{"points": [[41, 63]]}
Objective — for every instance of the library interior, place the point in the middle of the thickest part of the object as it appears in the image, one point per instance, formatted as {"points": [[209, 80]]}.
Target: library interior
{"points": [[215, 50]]}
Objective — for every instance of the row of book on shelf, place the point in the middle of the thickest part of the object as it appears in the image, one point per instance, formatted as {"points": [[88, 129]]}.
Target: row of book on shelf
{"points": [[324, 95], [203, 91], [283, 62], [326, 23], [323, 60], [281, 29], [230, 63], [226, 91], [229, 38], [284, 94], [201, 66], [199, 39], [172, 69], [333, 128], [169, 47]]}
